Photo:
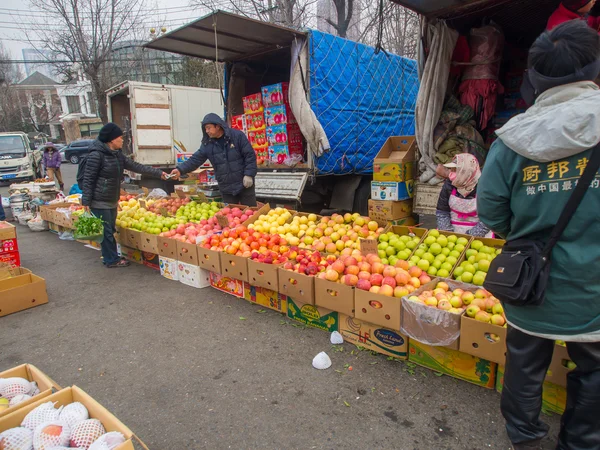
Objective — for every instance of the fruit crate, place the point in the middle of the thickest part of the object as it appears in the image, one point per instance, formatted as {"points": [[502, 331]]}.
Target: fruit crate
{"points": [[447, 234], [488, 242], [401, 230]]}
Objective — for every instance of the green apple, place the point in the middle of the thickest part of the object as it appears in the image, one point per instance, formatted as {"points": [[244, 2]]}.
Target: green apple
{"points": [[432, 271], [458, 272], [442, 240], [446, 251], [443, 273], [429, 257], [467, 277], [423, 264], [429, 240], [435, 249], [437, 264], [479, 278], [434, 233], [452, 238], [476, 244]]}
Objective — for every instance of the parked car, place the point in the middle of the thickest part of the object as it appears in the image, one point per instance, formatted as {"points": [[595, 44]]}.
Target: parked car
{"points": [[77, 150]]}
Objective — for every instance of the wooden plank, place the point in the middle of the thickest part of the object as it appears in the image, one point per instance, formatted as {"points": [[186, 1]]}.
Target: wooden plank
{"points": [[154, 127], [152, 105]]}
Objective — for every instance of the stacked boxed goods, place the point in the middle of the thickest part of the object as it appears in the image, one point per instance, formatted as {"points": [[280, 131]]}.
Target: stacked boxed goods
{"points": [[9, 249], [393, 178], [253, 124]]}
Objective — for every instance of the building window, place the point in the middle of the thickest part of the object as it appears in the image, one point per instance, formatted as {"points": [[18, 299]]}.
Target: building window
{"points": [[90, 131], [73, 104], [92, 103]]}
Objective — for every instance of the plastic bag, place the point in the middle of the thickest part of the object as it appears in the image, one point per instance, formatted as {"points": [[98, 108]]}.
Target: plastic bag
{"points": [[108, 441], [66, 236], [37, 223], [18, 438], [24, 217], [156, 193], [293, 160], [86, 433], [50, 434], [89, 228]]}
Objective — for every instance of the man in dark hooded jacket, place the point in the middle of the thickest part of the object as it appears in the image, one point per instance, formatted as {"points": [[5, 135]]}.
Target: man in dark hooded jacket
{"points": [[232, 158]]}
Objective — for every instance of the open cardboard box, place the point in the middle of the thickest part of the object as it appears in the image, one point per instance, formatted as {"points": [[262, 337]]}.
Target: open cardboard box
{"points": [[383, 211], [297, 285], [46, 385], [557, 372], [71, 395], [133, 238], [263, 275], [373, 337], [484, 340], [187, 253], [395, 160], [369, 246], [334, 296], [488, 242], [234, 266], [378, 309], [21, 292], [7, 231], [167, 247], [209, 259], [149, 243]]}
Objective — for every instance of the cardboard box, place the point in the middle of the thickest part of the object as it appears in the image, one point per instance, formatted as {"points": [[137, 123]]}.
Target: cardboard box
{"points": [[391, 190], [275, 94], [453, 363], [120, 236], [313, 316], [133, 238], [554, 397], [167, 247], [234, 266], [334, 296], [239, 123], [46, 385], [252, 104], [373, 337], [284, 134], [383, 211], [13, 259], [258, 138], [263, 275], [151, 260], [278, 153], [558, 370], [298, 286], [130, 254], [395, 160], [168, 268], [192, 275], [209, 259], [378, 309], [149, 243], [22, 292], [7, 231], [255, 122], [405, 222], [71, 395], [429, 325], [266, 298], [187, 253], [484, 340], [227, 284], [277, 115]]}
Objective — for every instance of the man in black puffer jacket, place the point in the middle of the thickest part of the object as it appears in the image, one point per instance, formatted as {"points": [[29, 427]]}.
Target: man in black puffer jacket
{"points": [[232, 158], [101, 185]]}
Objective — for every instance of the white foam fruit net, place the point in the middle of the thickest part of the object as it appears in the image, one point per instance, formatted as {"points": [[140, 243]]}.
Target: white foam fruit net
{"points": [[19, 438], [11, 387], [51, 434], [74, 413], [108, 441], [85, 433], [46, 412], [19, 399]]}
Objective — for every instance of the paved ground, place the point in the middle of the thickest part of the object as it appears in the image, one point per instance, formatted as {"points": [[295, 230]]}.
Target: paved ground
{"points": [[179, 367]]}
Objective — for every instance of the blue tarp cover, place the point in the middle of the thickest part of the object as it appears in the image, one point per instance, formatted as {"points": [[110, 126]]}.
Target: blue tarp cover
{"points": [[361, 98]]}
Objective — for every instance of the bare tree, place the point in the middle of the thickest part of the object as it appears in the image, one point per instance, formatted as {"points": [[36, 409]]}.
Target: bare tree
{"points": [[89, 31], [344, 10], [10, 113]]}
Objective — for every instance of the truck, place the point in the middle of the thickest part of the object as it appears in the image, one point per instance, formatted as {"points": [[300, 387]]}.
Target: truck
{"points": [[347, 98], [160, 121], [19, 159]]}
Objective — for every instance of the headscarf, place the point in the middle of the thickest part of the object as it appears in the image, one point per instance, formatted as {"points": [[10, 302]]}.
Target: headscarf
{"points": [[49, 146], [467, 173]]}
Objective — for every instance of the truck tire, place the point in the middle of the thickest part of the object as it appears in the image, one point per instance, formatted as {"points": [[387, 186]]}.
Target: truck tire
{"points": [[74, 159]]}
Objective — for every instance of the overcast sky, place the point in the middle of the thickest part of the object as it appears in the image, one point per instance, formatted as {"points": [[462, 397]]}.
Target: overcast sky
{"points": [[17, 13]]}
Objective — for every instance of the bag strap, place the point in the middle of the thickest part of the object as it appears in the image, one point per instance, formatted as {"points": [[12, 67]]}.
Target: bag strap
{"points": [[575, 200]]}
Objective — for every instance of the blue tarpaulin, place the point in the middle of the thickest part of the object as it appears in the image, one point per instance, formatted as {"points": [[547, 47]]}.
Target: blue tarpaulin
{"points": [[361, 98]]}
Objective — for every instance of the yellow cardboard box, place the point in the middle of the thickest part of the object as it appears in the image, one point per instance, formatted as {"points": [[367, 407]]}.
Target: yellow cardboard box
{"points": [[266, 298], [395, 160]]}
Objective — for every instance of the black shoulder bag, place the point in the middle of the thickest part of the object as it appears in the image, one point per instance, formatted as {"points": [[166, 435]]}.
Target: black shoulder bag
{"points": [[519, 275]]}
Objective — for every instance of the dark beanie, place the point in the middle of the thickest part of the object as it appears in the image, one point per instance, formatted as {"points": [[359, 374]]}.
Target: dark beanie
{"points": [[109, 132], [575, 5]]}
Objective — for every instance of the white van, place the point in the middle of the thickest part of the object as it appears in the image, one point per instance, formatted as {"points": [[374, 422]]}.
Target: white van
{"points": [[18, 160]]}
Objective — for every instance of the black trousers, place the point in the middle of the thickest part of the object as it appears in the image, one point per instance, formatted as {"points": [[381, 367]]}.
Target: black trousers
{"points": [[246, 197], [527, 361]]}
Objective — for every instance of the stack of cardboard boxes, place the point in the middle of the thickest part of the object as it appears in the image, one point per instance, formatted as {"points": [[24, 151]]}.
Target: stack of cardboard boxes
{"points": [[393, 179]]}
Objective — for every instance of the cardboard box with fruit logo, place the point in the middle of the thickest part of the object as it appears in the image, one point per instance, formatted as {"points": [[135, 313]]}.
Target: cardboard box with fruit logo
{"points": [[131, 254], [262, 154], [453, 363], [239, 123], [13, 259], [277, 115], [395, 160], [151, 260], [168, 268], [278, 154], [275, 94], [258, 138], [255, 122], [384, 211], [373, 337], [28, 372], [266, 298], [285, 134], [252, 104], [391, 190], [192, 275], [313, 316], [227, 284], [554, 397]]}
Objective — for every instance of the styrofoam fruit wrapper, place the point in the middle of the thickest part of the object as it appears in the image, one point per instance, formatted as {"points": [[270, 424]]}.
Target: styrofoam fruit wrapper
{"points": [[108, 441], [62, 447], [74, 413], [321, 361], [19, 438], [86, 433], [19, 399], [11, 387], [45, 412], [336, 338], [51, 434]]}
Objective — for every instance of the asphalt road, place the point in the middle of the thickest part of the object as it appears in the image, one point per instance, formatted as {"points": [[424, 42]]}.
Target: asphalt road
{"points": [[181, 368]]}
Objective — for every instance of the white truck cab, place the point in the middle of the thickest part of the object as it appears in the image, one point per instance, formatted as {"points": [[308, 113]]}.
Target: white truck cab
{"points": [[18, 160]]}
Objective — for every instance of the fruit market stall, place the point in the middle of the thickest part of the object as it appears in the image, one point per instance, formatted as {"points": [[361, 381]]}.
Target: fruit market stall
{"points": [[403, 291]]}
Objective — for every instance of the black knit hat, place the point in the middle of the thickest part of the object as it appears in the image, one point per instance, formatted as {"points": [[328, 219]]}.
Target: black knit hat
{"points": [[109, 132]]}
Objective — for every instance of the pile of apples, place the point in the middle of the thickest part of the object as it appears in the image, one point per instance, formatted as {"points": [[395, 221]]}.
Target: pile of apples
{"points": [[484, 307], [194, 211], [248, 243], [189, 232], [134, 217], [126, 197], [235, 215], [476, 264], [336, 233], [273, 222], [302, 227], [171, 205], [443, 298], [438, 253], [308, 262], [393, 247]]}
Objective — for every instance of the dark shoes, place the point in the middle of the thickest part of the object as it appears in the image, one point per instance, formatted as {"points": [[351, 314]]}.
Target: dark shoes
{"points": [[531, 445], [119, 264]]}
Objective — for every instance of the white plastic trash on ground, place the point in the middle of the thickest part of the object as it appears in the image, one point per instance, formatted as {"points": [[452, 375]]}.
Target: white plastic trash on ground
{"points": [[336, 338], [321, 361]]}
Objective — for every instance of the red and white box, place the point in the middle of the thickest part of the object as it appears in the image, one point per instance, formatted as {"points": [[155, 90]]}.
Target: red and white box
{"points": [[8, 246], [13, 259]]}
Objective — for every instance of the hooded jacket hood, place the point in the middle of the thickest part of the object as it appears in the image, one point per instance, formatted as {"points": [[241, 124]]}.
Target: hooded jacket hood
{"points": [[564, 121], [213, 119]]}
